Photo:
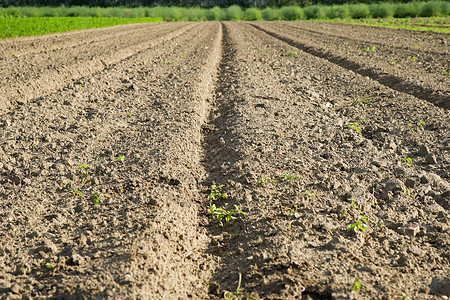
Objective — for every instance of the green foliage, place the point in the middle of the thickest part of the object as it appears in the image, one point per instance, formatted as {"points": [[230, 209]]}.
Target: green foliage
{"points": [[233, 13], [263, 180], [270, 14], [220, 213], [359, 11], [216, 193], [292, 53], [252, 14], [361, 100], [354, 126], [13, 27], [356, 286], [119, 158], [358, 225], [315, 12], [381, 10], [97, 197], [369, 49], [291, 13]]}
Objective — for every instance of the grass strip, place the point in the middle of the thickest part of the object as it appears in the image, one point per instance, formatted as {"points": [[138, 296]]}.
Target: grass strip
{"points": [[25, 26]]}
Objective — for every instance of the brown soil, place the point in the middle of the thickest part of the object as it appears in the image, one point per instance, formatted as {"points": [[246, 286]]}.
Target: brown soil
{"points": [[261, 108]]}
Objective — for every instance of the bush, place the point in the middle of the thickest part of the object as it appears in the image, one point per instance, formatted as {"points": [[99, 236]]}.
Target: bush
{"points": [[381, 10], [252, 14], [359, 11], [336, 12], [434, 9], [233, 13], [270, 14], [291, 13], [406, 10], [316, 12]]}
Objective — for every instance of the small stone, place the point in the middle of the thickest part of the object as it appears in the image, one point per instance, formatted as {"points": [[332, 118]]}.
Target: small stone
{"points": [[411, 182], [214, 288], [431, 159], [411, 229], [423, 150], [440, 286], [15, 288]]}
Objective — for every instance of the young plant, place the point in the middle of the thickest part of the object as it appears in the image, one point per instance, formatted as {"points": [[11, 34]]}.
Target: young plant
{"points": [[292, 53], [263, 180], [119, 158], [354, 204], [234, 295], [96, 197], [310, 194], [412, 58], [216, 193], [343, 215], [356, 286], [406, 161], [418, 126], [370, 49], [354, 126], [75, 192], [223, 215], [361, 100], [358, 225], [292, 212], [288, 177]]}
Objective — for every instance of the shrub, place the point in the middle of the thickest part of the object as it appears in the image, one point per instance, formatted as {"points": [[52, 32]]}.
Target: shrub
{"points": [[233, 13], [338, 12], [359, 11], [270, 14], [434, 9], [252, 14], [291, 13], [381, 10], [405, 10], [315, 12]]}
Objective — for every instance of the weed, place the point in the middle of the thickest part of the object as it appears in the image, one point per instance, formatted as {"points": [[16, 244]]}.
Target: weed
{"points": [[353, 204], [221, 214], [96, 197], [292, 212], [393, 62], [361, 100], [406, 161], [356, 286], [263, 180], [310, 194], [418, 126], [49, 266], [216, 193], [288, 177], [292, 53], [233, 295], [75, 192], [412, 58], [406, 191], [121, 158], [447, 72], [370, 49], [359, 225], [343, 215], [354, 126]]}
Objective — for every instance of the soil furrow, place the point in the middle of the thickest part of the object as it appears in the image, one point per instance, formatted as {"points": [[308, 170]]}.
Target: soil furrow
{"points": [[139, 147], [280, 145], [19, 90], [398, 83]]}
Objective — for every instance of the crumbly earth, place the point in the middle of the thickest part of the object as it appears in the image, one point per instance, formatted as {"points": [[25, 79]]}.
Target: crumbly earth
{"points": [[114, 142]]}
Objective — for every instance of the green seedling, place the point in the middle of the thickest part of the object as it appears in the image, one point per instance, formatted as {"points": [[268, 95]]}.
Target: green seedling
{"points": [[223, 215], [356, 286], [406, 160], [359, 225], [292, 53], [233, 295], [354, 204], [354, 126], [370, 49], [288, 177], [97, 197], [75, 192], [447, 72], [310, 194], [412, 58], [343, 215], [216, 193], [361, 101], [292, 212], [393, 62], [129, 114], [119, 158], [263, 180], [49, 266]]}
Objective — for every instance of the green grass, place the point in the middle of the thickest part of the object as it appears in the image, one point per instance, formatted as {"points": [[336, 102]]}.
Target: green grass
{"points": [[436, 24], [24, 26]]}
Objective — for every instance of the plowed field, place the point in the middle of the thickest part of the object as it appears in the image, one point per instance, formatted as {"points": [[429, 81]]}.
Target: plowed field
{"points": [[333, 139]]}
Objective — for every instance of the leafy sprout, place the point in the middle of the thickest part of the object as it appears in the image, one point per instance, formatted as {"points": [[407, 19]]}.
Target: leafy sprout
{"points": [[359, 225]]}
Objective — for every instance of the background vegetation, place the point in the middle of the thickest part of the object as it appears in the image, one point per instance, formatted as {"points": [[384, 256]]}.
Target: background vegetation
{"points": [[234, 12]]}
